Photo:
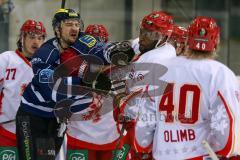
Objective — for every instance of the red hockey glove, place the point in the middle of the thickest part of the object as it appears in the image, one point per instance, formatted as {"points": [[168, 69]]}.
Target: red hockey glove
{"points": [[119, 103]]}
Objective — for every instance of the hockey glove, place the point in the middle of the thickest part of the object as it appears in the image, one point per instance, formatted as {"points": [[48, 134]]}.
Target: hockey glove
{"points": [[121, 53], [101, 85], [119, 104]]}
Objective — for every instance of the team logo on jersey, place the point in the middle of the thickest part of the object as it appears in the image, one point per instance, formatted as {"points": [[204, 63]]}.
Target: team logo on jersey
{"points": [[88, 40], [77, 154], [36, 60], [45, 76], [8, 153]]}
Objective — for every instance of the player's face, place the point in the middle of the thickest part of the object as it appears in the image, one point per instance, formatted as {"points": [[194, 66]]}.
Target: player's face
{"points": [[69, 32], [31, 43], [147, 40], [180, 48]]}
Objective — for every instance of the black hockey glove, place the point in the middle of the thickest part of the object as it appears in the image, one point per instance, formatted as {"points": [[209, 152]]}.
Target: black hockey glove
{"points": [[121, 53], [102, 84]]}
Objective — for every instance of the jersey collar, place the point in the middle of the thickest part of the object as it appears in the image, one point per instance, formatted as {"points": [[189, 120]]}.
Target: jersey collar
{"points": [[23, 58]]}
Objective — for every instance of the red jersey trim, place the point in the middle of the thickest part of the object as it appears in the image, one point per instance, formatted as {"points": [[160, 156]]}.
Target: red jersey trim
{"points": [[23, 58], [78, 144], [136, 57], [226, 150], [7, 134], [141, 149], [138, 147]]}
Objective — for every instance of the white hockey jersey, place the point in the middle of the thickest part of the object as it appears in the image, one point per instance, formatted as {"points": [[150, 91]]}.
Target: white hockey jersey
{"points": [[159, 54], [140, 72], [96, 134], [97, 130], [104, 132], [135, 45], [200, 103], [15, 74]]}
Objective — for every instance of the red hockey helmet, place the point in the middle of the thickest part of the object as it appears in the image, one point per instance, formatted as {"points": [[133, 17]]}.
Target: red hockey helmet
{"points": [[204, 34], [158, 21], [97, 30], [179, 34], [32, 26]]}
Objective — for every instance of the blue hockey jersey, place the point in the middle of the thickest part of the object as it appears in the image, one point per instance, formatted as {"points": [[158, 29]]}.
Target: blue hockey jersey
{"points": [[42, 94]]}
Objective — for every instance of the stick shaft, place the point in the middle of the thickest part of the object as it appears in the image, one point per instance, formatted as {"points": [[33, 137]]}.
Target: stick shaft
{"points": [[6, 122], [211, 153], [63, 4]]}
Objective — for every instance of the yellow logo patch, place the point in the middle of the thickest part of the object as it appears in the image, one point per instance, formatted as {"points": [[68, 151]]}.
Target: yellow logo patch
{"points": [[88, 40]]}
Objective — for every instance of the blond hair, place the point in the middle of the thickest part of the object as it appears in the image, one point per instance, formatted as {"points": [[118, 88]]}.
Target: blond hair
{"points": [[194, 54]]}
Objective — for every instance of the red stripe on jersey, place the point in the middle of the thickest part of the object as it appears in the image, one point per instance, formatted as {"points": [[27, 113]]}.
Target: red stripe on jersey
{"points": [[23, 58], [7, 142], [136, 57], [138, 147], [141, 149], [7, 134], [78, 144], [1, 80], [1, 99], [226, 150]]}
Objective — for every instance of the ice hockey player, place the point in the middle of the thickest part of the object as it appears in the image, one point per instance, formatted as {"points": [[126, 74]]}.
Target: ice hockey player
{"points": [[15, 74]]}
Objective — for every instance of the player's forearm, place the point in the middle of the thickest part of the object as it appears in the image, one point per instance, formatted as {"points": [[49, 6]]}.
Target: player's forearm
{"points": [[119, 53]]}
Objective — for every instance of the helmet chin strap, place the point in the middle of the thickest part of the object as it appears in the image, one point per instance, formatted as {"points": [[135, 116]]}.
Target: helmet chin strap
{"points": [[158, 44]]}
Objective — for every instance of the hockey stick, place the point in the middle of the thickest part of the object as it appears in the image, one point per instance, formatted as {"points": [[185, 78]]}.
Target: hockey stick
{"points": [[118, 141], [6, 122], [63, 4], [123, 103], [210, 151]]}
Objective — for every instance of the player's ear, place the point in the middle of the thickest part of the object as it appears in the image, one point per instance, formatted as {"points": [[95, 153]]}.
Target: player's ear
{"points": [[57, 32]]}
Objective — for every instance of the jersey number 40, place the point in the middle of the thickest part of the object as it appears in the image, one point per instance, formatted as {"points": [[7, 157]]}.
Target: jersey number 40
{"points": [[187, 92]]}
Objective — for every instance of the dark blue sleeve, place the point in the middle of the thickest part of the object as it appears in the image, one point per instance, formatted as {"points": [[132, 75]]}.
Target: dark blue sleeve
{"points": [[47, 83], [89, 45]]}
